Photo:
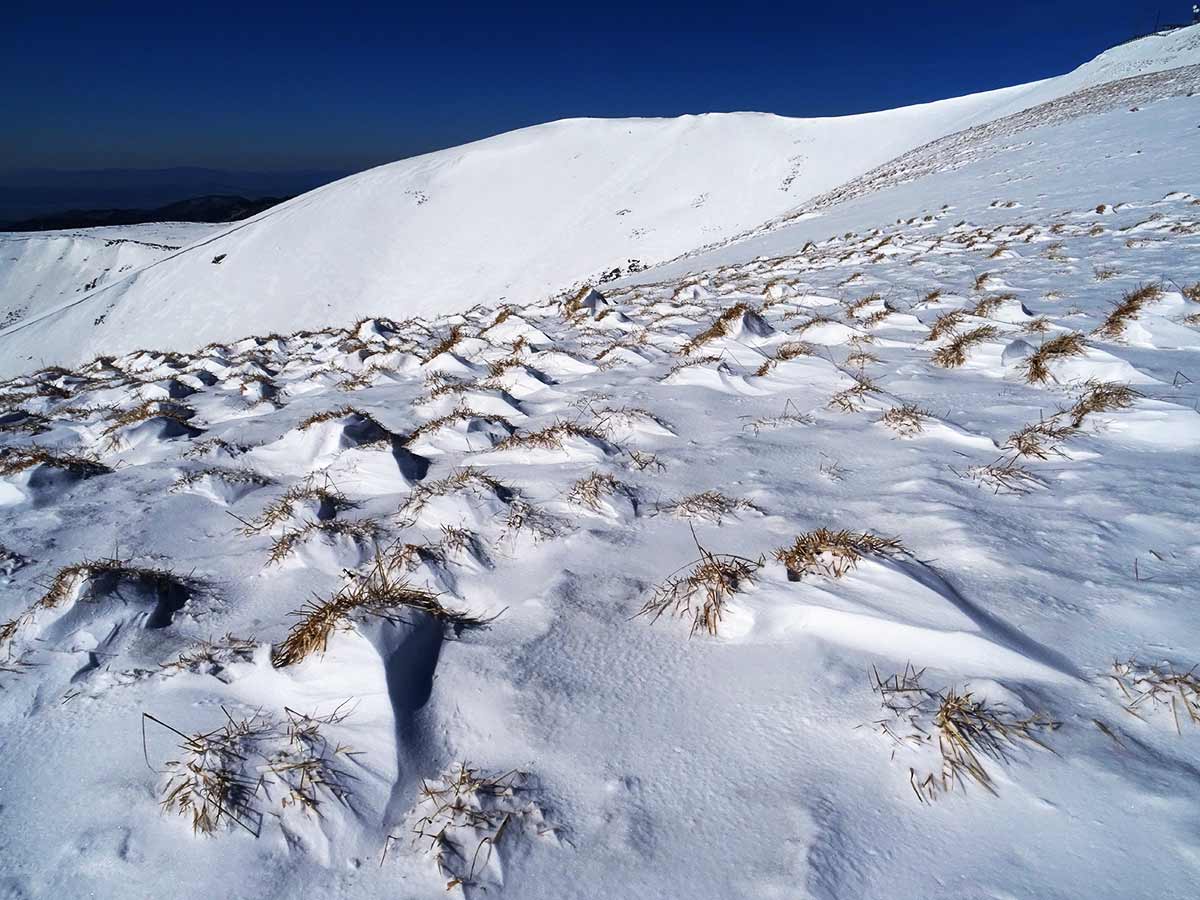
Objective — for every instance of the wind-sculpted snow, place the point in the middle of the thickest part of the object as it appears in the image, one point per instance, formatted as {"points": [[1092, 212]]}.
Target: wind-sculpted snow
{"points": [[803, 574]]}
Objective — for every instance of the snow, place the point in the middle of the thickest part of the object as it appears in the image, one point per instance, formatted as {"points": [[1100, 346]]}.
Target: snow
{"points": [[753, 762], [40, 271], [514, 218]]}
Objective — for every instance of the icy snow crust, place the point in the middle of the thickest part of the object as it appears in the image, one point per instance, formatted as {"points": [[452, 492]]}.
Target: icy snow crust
{"points": [[512, 218], [542, 469]]}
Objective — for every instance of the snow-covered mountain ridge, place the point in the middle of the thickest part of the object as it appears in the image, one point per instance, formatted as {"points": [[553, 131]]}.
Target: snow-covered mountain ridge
{"points": [[513, 218]]}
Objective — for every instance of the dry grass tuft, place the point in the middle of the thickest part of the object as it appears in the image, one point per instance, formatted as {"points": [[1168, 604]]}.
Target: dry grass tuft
{"points": [[988, 305], [1039, 325], [14, 460], [224, 774], [462, 414], [832, 553], [468, 478], [1039, 440], [552, 437], [591, 491], [1003, 476], [945, 324], [380, 593], [852, 399], [1191, 291], [330, 501], [905, 420], [229, 476], [954, 353], [966, 731], [1128, 309], [213, 657], [708, 506], [445, 344], [718, 328], [1149, 688], [702, 592], [358, 530], [1037, 366], [463, 815], [98, 577], [340, 412], [1101, 396]]}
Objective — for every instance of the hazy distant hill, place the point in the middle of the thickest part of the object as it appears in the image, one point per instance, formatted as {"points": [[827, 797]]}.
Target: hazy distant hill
{"points": [[212, 208]]}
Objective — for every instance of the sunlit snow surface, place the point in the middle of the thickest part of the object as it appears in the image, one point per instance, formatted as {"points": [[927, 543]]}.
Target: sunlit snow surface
{"points": [[750, 763]]}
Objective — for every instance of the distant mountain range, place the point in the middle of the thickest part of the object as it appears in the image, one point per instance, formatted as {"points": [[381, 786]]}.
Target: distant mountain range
{"points": [[210, 208], [41, 193]]}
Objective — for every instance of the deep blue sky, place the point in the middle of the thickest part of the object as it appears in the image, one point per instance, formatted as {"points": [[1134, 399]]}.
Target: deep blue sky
{"points": [[246, 86]]}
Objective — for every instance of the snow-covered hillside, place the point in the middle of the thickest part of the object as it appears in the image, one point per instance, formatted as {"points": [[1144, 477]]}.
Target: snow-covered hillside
{"points": [[852, 559], [49, 269], [513, 218]]}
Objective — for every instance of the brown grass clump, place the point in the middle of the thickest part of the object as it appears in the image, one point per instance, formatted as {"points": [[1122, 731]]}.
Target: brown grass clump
{"points": [[1149, 688], [99, 576], [1191, 292], [462, 414], [852, 398], [905, 420], [1037, 366], [876, 318], [988, 305], [643, 460], [14, 460], [468, 478], [861, 359], [945, 324], [340, 412], [1128, 309], [832, 553], [954, 353], [853, 308], [591, 491], [224, 774], [462, 816], [1003, 476], [380, 593], [966, 731], [358, 530], [1039, 440], [229, 476], [552, 437], [981, 280], [151, 409], [1101, 396], [1104, 273], [1039, 325], [329, 499], [702, 592], [718, 328], [445, 344], [708, 506], [213, 657]]}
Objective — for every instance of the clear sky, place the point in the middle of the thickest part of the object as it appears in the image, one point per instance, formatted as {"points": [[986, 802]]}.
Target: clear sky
{"points": [[344, 85]]}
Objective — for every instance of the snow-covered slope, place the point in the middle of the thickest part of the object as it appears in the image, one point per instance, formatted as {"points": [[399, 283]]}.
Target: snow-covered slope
{"points": [[325, 610], [514, 218], [48, 269]]}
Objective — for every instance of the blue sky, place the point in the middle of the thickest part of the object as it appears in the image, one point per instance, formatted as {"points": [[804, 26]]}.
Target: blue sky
{"points": [[345, 85]]}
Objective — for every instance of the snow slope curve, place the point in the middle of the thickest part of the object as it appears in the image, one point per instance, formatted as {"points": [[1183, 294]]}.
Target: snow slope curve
{"points": [[513, 218]]}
